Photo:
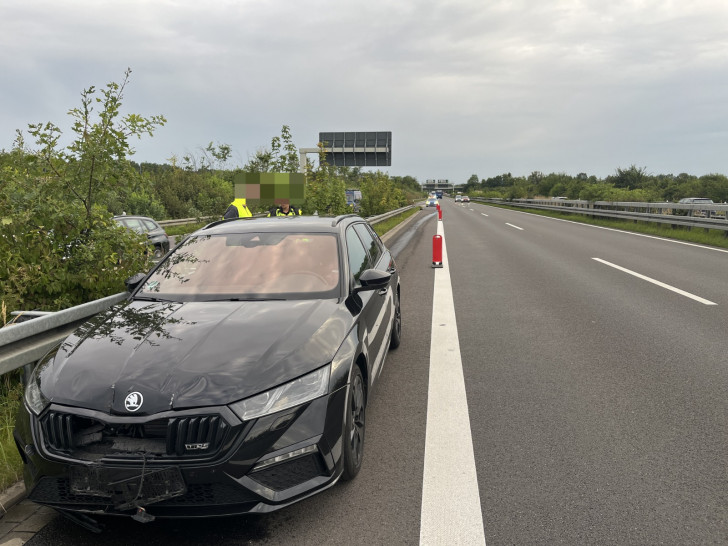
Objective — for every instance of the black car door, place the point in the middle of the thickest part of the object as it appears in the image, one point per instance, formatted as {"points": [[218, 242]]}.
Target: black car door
{"points": [[377, 312]]}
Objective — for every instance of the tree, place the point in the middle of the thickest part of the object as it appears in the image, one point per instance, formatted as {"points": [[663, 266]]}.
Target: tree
{"points": [[58, 244], [380, 194], [325, 190], [632, 178], [409, 183], [95, 163], [188, 194], [281, 158], [505, 179], [211, 158]]}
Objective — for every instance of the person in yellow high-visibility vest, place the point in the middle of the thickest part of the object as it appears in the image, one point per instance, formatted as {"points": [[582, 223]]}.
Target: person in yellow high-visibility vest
{"points": [[238, 209], [284, 209]]}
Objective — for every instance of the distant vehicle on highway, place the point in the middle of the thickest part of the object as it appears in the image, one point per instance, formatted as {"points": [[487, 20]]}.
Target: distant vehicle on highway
{"points": [[466, 199], [695, 201], [458, 198], [431, 202], [353, 199]]}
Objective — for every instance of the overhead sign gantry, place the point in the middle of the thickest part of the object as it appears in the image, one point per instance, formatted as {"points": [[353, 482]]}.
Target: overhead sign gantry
{"points": [[353, 149]]}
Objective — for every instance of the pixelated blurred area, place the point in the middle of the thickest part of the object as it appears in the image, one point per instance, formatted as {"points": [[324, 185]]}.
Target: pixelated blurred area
{"points": [[270, 189]]}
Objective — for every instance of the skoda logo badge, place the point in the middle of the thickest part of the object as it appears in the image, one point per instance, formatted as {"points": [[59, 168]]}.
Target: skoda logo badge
{"points": [[133, 401]]}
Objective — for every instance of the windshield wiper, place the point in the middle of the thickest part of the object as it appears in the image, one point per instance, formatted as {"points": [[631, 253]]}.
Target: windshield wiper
{"points": [[150, 298], [248, 299]]}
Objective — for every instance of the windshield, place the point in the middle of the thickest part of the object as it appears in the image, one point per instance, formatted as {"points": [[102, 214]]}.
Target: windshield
{"points": [[242, 266]]}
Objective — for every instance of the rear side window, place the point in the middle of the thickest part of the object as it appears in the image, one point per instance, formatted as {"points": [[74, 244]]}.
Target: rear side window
{"points": [[149, 225], [370, 243], [135, 224]]}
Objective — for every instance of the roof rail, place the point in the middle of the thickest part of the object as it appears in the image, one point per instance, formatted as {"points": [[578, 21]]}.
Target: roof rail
{"points": [[218, 222], [338, 219]]}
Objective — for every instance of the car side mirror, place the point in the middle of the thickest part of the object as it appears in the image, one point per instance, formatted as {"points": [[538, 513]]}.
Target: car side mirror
{"points": [[133, 282], [373, 279]]}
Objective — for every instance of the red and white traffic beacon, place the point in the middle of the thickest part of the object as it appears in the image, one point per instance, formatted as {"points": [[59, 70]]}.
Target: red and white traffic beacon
{"points": [[437, 251]]}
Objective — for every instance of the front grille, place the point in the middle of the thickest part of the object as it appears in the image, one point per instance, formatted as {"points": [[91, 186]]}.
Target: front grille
{"points": [[194, 434], [58, 431], [289, 474], [93, 439]]}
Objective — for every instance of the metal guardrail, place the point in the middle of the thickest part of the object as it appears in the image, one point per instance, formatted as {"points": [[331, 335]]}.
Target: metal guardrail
{"points": [[27, 342], [184, 221], [712, 216]]}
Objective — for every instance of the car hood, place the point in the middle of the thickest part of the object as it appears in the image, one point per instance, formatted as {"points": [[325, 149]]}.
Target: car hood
{"points": [[192, 354]]}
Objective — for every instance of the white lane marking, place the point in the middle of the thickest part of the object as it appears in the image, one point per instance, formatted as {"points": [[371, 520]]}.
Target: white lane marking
{"points": [[519, 228], [677, 242], [658, 283], [451, 509], [483, 214]]}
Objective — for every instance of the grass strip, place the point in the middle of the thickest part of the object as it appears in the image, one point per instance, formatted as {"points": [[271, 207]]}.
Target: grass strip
{"points": [[383, 227], [11, 395]]}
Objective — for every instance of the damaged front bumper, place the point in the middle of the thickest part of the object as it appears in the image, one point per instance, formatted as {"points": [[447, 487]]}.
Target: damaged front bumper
{"points": [[177, 464]]}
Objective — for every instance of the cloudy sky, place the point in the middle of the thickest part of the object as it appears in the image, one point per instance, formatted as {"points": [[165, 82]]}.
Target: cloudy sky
{"points": [[467, 86]]}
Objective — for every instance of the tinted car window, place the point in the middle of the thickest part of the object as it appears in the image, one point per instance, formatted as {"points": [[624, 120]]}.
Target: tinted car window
{"points": [[249, 265], [370, 242], [358, 259], [135, 224]]}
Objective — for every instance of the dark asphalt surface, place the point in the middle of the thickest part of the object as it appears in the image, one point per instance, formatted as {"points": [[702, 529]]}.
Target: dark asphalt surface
{"points": [[598, 402]]}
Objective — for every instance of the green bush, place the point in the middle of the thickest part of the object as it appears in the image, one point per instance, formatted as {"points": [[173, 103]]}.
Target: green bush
{"points": [[49, 261]]}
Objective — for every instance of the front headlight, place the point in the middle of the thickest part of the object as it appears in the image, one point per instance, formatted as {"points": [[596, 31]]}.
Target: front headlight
{"points": [[297, 392], [34, 398]]}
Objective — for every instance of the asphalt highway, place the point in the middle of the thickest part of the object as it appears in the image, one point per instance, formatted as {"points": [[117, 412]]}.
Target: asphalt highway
{"points": [[595, 372]]}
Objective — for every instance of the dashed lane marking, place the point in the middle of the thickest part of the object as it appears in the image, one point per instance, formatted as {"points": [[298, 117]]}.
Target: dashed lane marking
{"points": [[656, 282]]}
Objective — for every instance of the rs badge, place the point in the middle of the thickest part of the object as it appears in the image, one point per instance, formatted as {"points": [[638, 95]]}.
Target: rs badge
{"points": [[193, 447]]}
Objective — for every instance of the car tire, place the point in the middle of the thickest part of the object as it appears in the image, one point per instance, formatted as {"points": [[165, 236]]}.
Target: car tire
{"points": [[396, 338], [355, 426], [158, 252]]}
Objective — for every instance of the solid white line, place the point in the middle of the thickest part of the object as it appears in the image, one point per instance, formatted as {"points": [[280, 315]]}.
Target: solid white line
{"points": [[520, 228], [451, 510], [658, 283]]}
